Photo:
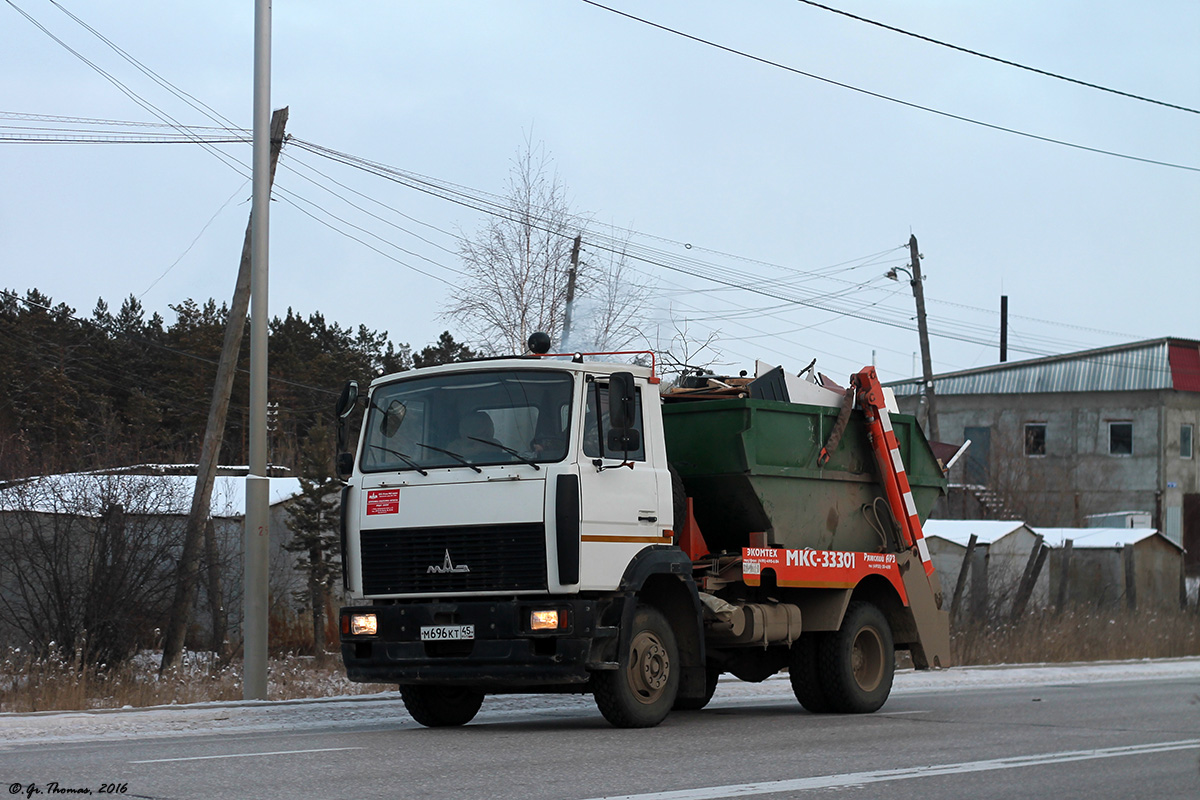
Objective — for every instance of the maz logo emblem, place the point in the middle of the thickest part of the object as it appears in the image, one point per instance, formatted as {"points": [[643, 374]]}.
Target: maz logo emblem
{"points": [[447, 566]]}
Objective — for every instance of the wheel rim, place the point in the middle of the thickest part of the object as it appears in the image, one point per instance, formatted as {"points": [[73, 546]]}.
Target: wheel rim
{"points": [[866, 659], [649, 667]]}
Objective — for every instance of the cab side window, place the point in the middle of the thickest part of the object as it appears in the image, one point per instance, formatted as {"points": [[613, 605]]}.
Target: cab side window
{"points": [[596, 427]]}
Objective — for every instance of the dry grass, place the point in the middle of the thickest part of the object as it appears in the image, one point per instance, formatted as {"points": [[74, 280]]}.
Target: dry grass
{"points": [[29, 683], [1080, 635], [55, 683]]}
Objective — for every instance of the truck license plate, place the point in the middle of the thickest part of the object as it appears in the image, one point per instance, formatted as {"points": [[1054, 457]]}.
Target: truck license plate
{"points": [[447, 633]]}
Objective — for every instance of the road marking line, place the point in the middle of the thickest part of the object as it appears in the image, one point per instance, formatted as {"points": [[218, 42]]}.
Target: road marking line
{"points": [[246, 755], [884, 775]]}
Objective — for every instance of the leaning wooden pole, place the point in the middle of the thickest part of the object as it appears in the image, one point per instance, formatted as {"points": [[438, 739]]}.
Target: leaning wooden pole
{"points": [[963, 571], [214, 432]]}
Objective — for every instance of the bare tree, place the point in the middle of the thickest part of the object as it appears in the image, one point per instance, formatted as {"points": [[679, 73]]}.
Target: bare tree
{"points": [[516, 265], [86, 561], [516, 269], [681, 353], [612, 314]]}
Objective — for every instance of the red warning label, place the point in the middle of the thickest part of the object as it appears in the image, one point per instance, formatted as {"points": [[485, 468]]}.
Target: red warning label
{"points": [[383, 501]]}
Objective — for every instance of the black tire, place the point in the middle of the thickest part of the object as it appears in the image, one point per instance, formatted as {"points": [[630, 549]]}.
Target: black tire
{"points": [[805, 675], [642, 690], [678, 501], [711, 676], [441, 706], [858, 662]]}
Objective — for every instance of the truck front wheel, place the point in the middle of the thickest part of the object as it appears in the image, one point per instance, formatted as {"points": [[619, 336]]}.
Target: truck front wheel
{"points": [[640, 693], [858, 661], [441, 706]]}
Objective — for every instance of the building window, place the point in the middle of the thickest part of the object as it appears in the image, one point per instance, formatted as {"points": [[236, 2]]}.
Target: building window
{"points": [[1035, 438], [1185, 441], [1120, 438]]}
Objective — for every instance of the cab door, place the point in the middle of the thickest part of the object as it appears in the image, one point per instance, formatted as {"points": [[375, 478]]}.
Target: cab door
{"points": [[619, 492]]}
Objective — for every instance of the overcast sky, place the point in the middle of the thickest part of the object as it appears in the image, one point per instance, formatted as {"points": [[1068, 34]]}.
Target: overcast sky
{"points": [[755, 175]]}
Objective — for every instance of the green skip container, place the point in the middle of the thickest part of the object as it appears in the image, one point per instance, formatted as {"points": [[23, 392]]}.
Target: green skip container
{"points": [[750, 466]]}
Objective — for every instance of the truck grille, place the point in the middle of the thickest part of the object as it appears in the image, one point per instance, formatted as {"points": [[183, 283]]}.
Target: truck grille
{"points": [[501, 558]]}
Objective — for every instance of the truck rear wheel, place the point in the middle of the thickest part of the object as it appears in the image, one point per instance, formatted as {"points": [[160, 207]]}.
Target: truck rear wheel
{"points": [[805, 674], [441, 706], [858, 661], [641, 691]]}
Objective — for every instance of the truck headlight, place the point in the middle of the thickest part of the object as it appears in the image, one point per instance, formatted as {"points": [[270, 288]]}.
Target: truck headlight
{"points": [[547, 619], [363, 625]]}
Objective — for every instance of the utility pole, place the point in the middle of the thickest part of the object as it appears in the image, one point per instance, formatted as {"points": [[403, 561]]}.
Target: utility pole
{"points": [[923, 332], [566, 332], [256, 538], [214, 430]]}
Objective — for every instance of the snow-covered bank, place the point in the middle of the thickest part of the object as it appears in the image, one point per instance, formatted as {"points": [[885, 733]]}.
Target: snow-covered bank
{"points": [[385, 710]]}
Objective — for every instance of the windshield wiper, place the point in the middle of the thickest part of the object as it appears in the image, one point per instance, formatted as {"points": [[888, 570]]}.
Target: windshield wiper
{"points": [[407, 459], [452, 454], [508, 450]]}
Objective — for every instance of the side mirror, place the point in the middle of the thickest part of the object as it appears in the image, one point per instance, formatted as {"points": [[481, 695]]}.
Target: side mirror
{"points": [[624, 440], [343, 409], [345, 465], [347, 399], [621, 398], [392, 418]]}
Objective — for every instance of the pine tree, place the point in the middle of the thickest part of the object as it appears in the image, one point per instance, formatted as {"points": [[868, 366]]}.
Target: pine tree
{"points": [[314, 518], [444, 351]]}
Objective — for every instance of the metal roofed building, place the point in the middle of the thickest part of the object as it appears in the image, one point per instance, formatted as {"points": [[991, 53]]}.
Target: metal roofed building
{"points": [[1056, 439], [1135, 567], [1002, 550], [83, 530]]}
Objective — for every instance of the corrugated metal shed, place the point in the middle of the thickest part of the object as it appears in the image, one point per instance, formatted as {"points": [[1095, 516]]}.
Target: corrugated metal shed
{"points": [[83, 494], [1103, 538], [959, 531], [1149, 365]]}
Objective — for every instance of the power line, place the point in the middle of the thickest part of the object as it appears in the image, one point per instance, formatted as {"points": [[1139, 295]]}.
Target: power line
{"points": [[1004, 61], [84, 138], [379, 203], [196, 104], [777, 289], [890, 99], [484, 203], [63, 120], [488, 203], [145, 104], [174, 263], [784, 289], [1059, 323]]}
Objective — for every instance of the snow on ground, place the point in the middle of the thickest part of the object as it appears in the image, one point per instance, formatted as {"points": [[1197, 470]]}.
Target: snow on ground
{"points": [[386, 711]]}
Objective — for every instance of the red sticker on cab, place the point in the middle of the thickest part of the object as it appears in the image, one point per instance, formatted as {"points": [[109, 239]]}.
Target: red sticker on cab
{"points": [[383, 501]]}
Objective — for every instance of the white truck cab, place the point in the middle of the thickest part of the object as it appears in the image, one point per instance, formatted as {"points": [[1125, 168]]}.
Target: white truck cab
{"points": [[462, 471]]}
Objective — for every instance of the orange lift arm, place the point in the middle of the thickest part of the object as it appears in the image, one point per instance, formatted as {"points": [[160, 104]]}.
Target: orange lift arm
{"points": [[891, 466]]}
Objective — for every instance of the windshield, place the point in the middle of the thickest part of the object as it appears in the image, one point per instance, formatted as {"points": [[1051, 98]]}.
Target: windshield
{"points": [[468, 420]]}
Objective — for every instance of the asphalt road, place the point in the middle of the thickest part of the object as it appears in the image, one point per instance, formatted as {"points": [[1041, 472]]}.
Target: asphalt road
{"points": [[1106, 740]]}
